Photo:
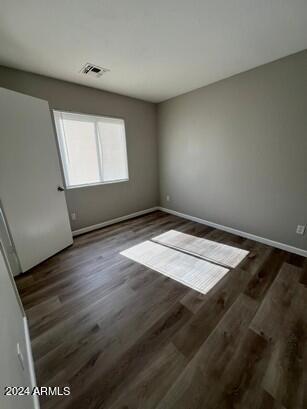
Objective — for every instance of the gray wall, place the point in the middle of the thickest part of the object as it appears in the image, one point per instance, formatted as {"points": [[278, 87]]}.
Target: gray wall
{"points": [[104, 202], [12, 332], [235, 152]]}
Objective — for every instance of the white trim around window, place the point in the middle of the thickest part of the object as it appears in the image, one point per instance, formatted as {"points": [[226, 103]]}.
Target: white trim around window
{"points": [[93, 149]]}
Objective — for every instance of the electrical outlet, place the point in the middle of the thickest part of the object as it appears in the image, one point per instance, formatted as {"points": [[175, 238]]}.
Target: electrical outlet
{"points": [[73, 216], [168, 198], [300, 229]]}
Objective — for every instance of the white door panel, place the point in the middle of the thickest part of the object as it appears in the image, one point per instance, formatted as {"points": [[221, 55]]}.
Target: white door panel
{"points": [[29, 176]]}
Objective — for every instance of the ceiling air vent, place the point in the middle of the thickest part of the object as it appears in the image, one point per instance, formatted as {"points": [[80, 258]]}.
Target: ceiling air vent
{"points": [[93, 70]]}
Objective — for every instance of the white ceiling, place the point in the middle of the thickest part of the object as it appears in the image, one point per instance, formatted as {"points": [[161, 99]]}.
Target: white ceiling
{"points": [[155, 49]]}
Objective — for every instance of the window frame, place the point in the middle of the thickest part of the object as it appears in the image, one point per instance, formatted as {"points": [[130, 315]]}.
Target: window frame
{"points": [[63, 150]]}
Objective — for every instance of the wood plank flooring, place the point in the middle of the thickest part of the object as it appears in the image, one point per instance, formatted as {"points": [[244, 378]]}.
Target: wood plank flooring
{"points": [[125, 337]]}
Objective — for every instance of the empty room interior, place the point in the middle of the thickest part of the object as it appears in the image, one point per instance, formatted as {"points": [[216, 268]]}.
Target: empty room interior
{"points": [[153, 204]]}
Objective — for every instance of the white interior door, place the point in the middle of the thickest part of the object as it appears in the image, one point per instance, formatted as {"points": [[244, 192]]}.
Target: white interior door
{"points": [[30, 175]]}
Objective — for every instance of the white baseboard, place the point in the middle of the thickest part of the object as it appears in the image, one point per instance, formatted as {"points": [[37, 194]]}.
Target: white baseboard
{"points": [[30, 362], [263, 240], [251, 236], [113, 221]]}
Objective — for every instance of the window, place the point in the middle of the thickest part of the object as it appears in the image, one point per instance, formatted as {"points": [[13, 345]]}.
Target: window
{"points": [[93, 148]]}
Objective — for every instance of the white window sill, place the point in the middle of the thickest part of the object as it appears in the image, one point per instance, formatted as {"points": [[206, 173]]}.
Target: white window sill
{"points": [[96, 184]]}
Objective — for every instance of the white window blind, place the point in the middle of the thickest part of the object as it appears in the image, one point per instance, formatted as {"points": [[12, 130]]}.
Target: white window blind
{"points": [[93, 148]]}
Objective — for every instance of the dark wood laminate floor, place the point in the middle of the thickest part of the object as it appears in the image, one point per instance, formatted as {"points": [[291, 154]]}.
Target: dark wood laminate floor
{"points": [[123, 336]]}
